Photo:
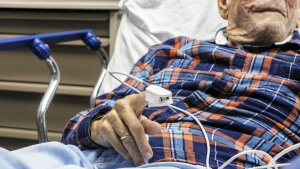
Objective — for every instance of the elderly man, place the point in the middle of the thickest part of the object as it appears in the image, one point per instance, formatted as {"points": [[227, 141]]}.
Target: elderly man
{"points": [[244, 87]]}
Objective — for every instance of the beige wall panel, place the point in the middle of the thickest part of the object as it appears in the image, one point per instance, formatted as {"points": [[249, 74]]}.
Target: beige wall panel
{"points": [[33, 27], [78, 66], [43, 21], [18, 110]]}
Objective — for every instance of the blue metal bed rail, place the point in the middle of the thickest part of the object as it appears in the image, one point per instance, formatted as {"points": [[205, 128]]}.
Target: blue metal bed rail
{"points": [[39, 46]]}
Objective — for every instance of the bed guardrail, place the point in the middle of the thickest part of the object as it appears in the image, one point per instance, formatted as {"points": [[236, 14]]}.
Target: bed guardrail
{"points": [[39, 44]]}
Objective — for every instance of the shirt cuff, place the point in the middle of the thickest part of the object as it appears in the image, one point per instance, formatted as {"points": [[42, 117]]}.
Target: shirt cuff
{"points": [[84, 127]]}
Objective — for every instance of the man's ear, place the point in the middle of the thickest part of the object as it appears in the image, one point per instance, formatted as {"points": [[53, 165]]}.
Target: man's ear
{"points": [[223, 8]]}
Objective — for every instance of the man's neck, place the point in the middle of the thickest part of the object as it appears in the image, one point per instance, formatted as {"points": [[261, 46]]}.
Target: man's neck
{"points": [[222, 39]]}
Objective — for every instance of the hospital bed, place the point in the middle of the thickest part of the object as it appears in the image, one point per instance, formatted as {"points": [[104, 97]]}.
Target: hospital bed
{"points": [[138, 30]]}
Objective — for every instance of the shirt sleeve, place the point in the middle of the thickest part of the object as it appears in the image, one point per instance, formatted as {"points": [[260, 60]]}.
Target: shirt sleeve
{"points": [[77, 130]]}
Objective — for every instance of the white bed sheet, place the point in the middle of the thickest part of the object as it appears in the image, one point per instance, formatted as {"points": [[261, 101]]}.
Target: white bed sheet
{"points": [[148, 22]]}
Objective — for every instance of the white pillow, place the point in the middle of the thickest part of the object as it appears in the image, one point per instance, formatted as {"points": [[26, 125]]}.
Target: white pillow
{"points": [[149, 22]]}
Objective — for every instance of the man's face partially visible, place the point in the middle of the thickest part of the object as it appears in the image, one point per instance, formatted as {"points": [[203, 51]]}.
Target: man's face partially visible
{"points": [[261, 22]]}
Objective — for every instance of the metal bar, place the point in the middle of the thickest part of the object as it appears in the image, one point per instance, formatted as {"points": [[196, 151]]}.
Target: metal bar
{"points": [[104, 60], [47, 98], [48, 38]]}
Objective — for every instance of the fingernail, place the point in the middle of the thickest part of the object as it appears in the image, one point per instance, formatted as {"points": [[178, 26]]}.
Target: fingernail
{"points": [[148, 155]]}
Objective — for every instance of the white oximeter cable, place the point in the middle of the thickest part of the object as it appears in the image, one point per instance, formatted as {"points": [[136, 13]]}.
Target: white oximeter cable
{"points": [[128, 75], [163, 97], [203, 130]]}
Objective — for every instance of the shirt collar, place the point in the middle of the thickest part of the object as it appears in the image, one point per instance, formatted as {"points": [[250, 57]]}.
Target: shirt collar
{"points": [[221, 38]]}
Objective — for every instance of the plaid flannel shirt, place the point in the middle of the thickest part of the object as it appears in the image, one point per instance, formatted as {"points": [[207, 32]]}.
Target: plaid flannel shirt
{"points": [[246, 97]]}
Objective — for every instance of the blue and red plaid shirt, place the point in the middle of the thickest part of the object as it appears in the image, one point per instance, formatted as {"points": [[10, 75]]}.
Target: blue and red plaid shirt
{"points": [[246, 97]]}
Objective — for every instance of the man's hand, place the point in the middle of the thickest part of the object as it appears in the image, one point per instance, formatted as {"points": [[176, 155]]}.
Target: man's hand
{"points": [[123, 128]]}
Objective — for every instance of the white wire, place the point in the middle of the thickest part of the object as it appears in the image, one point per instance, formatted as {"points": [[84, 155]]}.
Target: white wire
{"points": [[203, 130], [282, 153], [128, 75], [134, 89], [243, 153]]}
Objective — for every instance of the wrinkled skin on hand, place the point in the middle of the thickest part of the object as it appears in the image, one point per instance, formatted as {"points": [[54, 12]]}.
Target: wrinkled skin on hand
{"points": [[125, 117]]}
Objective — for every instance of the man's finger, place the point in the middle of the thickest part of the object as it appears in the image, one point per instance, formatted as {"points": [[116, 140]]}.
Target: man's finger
{"points": [[110, 136], [125, 137], [117, 124], [130, 144], [138, 103], [135, 127], [150, 127]]}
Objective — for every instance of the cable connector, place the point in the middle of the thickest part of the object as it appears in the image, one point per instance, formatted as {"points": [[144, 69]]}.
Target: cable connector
{"points": [[157, 96]]}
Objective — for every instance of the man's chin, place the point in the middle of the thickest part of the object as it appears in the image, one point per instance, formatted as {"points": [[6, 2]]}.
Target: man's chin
{"points": [[269, 33]]}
